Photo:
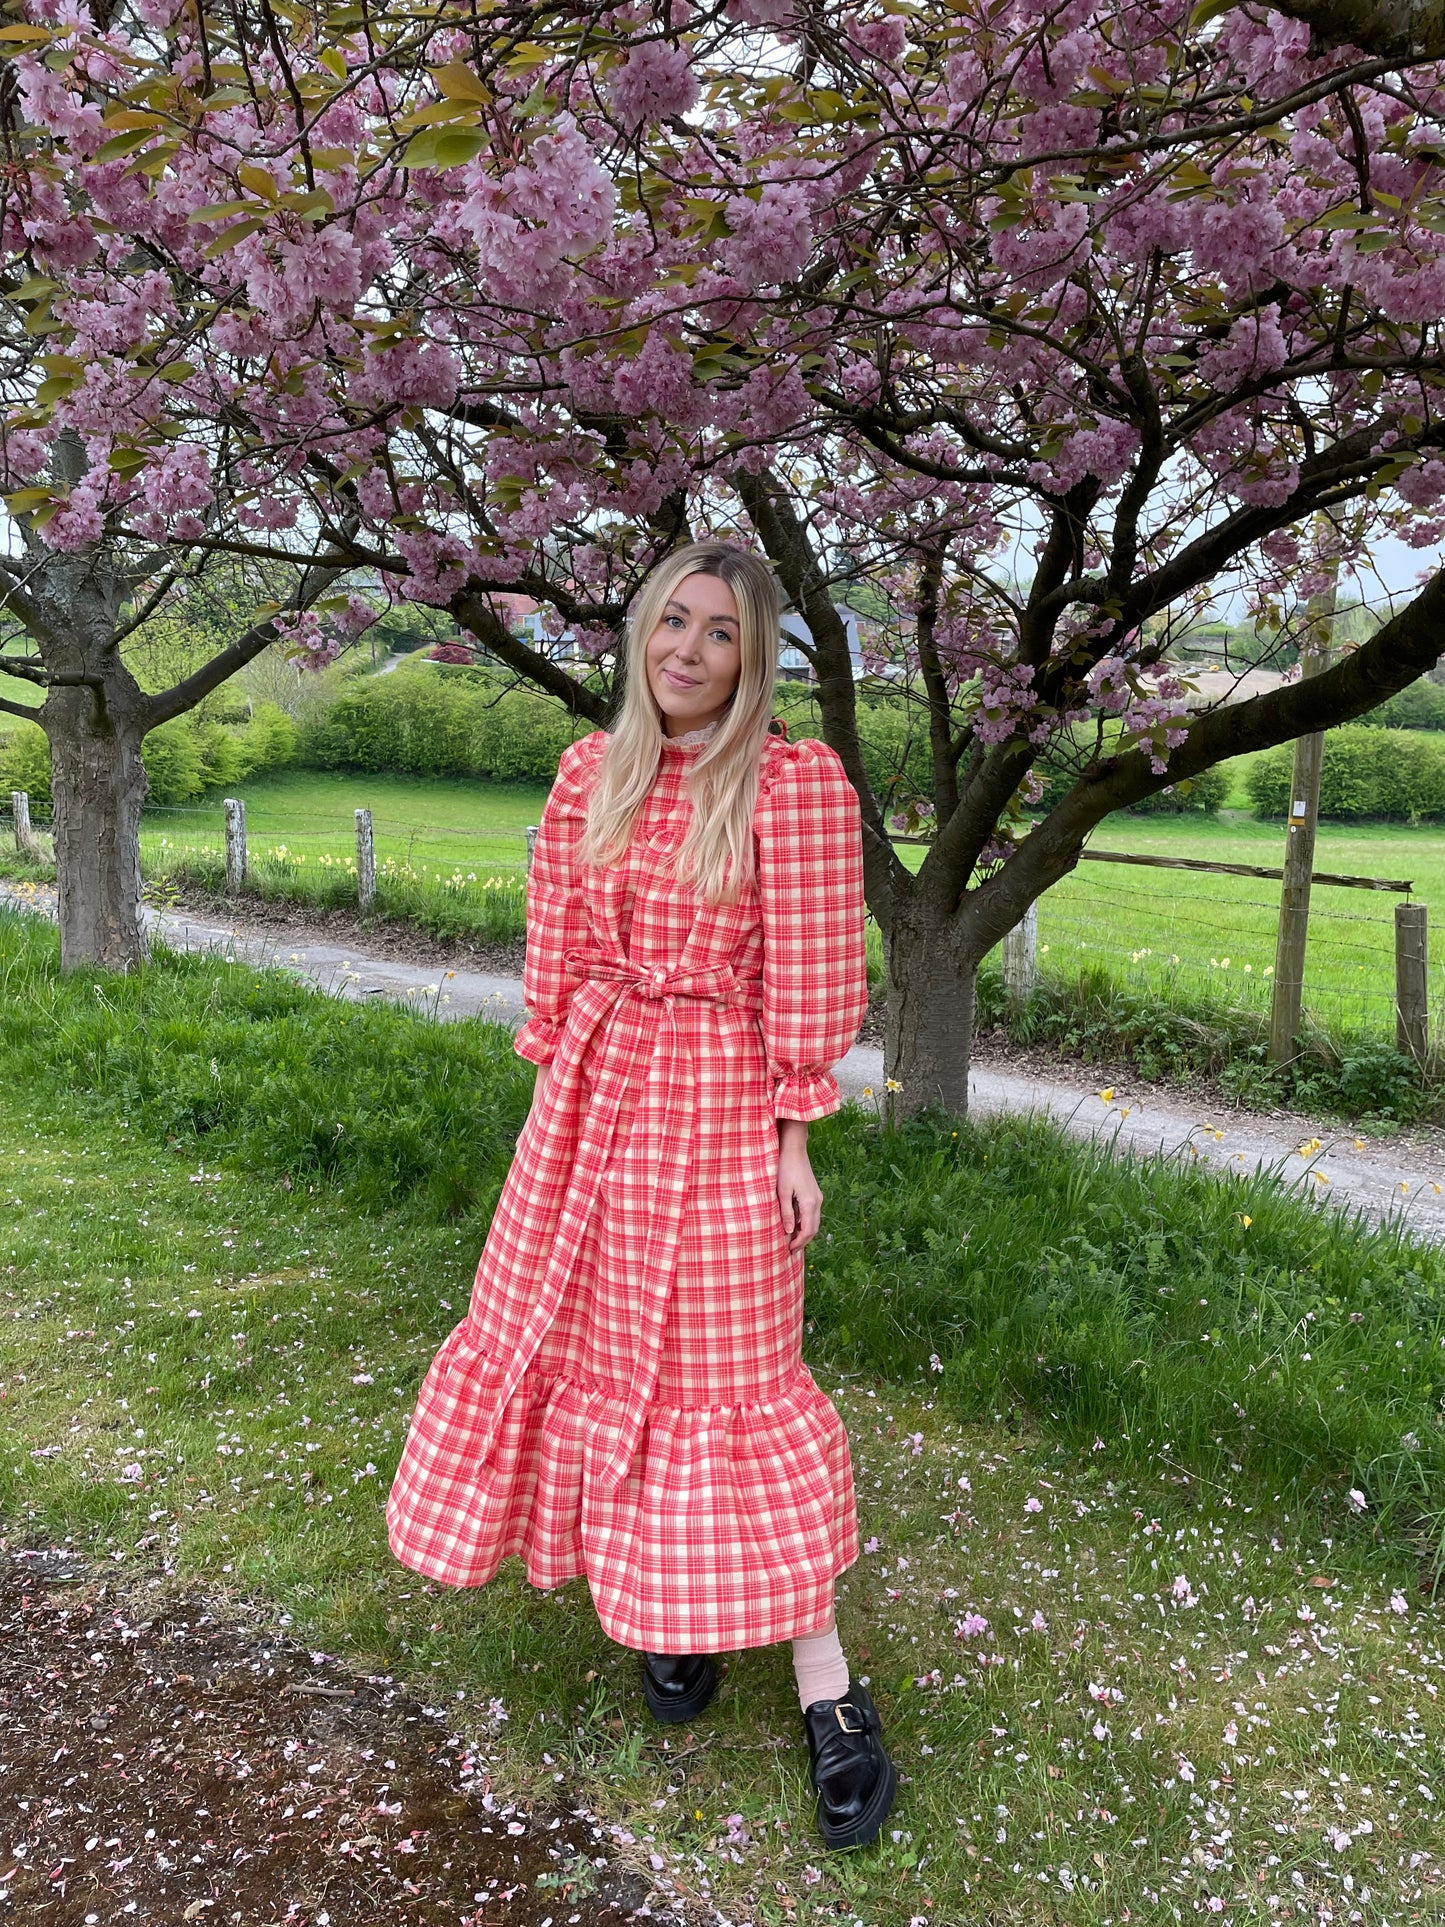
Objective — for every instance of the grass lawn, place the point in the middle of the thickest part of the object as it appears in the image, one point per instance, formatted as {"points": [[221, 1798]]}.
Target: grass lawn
{"points": [[1135, 1651], [451, 858], [16, 689], [436, 825]]}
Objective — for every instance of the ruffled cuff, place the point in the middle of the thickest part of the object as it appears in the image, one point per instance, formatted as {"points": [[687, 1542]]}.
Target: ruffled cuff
{"points": [[806, 1095], [537, 1040]]}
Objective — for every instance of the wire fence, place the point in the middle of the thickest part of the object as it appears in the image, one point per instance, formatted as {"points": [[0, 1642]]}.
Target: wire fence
{"points": [[1214, 937]]}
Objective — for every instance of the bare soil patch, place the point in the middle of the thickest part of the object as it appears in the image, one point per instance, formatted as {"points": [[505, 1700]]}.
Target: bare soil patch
{"points": [[167, 1759]]}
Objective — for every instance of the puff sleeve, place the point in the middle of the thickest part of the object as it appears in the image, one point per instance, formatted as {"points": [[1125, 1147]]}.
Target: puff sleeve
{"points": [[810, 882], [556, 908]]}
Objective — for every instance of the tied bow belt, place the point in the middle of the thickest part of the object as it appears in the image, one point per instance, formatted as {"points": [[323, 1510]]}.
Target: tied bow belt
{"points": [[650, 1039]]}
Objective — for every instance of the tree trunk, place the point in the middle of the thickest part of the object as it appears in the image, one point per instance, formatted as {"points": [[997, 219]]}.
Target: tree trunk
{"points": [[930, 1020], [98, 783]]}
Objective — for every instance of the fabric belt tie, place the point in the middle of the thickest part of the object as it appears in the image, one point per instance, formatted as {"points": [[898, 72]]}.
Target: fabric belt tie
{"points": [[661, 1048]]}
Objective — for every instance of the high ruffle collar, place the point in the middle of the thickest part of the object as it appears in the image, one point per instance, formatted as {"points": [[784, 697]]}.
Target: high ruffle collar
{"points": [[694, 738]]}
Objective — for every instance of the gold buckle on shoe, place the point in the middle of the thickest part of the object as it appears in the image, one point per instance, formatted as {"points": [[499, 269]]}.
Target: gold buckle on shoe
{"points": [[838, 1715]]}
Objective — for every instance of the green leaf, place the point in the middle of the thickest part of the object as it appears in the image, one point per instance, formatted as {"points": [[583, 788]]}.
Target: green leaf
{"points": [[444, 147], [219, 210], [56, 388], [121, 144], [458, 82], [1348, 217], [26, 500], [232, 235], [310, 207], [258, 180]]}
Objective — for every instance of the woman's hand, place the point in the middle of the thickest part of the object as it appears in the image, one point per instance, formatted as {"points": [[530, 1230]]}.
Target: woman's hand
{"points": [[799, 1199]]}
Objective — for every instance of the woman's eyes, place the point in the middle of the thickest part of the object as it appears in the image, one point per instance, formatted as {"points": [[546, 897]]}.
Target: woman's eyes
{"points": [[715, 635]]}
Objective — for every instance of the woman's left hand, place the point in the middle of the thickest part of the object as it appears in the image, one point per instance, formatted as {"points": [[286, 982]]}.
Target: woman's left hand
{"points": [[799, 1199]]}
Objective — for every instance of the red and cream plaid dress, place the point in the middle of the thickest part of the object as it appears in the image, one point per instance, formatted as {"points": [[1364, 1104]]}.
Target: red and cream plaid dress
{"points": [[626, 1397]]}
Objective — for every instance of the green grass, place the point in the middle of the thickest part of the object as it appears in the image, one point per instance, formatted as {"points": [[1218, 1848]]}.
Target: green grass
{"points": [[1101, 1294], [14, 688], [439, 842], [219, 1308], [450, 856]]}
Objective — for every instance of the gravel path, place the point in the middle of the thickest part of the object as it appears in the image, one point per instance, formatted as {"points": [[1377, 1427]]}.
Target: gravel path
{"points": [[1397, 1177]]}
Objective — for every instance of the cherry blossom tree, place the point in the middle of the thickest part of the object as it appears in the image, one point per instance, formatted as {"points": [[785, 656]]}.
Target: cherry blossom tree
{"points": [[1051, 323], [216, 244]]}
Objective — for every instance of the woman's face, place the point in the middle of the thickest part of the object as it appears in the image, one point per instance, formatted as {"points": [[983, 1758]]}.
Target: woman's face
{"points": [[694, 654]]}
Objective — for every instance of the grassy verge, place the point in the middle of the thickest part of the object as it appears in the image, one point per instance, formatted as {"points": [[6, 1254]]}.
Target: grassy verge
{"points": [[1169, 1032], [1118, 1676]]}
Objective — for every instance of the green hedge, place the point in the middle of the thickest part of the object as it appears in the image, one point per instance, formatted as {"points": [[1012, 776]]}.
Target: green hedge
{"points": [[1366, 772], [183, 758], [1420, 706], [433, 720]]}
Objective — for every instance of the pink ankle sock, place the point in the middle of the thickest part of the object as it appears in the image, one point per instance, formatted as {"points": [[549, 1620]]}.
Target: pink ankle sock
{"points": [[821, 1668]]}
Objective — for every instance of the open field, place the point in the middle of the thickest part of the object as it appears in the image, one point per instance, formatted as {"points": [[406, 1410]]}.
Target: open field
{"points": [[1118, 1673], [1216, 934], [13, 688]]}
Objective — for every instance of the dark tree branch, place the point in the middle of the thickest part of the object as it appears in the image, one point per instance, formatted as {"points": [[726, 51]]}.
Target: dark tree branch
{"points": [[785, 539], [1395, 29], [935, 683], [185, 694], [475, 611]]}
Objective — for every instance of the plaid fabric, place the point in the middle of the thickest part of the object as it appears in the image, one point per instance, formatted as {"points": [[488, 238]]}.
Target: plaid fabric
{"points": [[626, 1397]]}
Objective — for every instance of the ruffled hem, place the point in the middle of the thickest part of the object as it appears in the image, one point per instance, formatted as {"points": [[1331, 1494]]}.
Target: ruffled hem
{"points": [[728, 1532], [807, 1095], [537, 1040]]}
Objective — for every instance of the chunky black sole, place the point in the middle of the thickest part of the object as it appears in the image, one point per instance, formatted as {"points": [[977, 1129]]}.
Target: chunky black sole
{"points": [[863, 1831], [672, 1712]]}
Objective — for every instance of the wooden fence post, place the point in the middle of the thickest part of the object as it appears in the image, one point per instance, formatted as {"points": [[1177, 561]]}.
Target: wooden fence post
{"points": [[235, 811], [1412, 981], [25, 842], [1287, 994], [1021, 958], [531, 842], [365, 862]]}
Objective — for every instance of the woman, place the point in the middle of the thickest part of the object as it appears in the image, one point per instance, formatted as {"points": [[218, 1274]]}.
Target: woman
{"points": [[626, 1397]]}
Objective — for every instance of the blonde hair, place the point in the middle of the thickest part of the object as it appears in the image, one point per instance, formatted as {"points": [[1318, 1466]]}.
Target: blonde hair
{"points": [[716, 854]]}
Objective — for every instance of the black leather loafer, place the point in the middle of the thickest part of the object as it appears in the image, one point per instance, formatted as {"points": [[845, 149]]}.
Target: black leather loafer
{"points": [[853, 1777], [677, 1686]]}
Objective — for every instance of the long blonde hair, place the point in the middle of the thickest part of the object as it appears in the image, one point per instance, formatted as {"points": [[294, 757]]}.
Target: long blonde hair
{"points": [[716, 853]]}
